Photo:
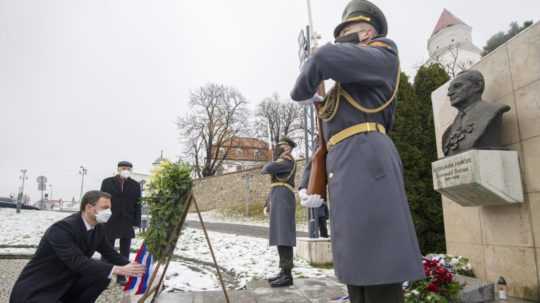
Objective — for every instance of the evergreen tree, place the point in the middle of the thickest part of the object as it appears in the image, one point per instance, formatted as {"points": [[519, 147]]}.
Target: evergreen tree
{"points": [[501, 37], [414, 136]]}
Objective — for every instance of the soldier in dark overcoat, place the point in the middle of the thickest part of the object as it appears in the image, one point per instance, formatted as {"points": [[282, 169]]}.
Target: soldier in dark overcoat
{"points": [[374, 242], [282, 209]]}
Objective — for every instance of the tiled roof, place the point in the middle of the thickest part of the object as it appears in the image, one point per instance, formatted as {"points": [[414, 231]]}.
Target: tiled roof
{"points": [[447, 19]]}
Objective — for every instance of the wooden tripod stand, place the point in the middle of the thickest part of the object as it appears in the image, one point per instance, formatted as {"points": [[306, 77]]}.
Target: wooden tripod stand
{"points": [[154, 290]]}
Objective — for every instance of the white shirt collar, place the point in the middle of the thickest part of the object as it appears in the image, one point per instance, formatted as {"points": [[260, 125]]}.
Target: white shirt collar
{"points": [[88, 226]]}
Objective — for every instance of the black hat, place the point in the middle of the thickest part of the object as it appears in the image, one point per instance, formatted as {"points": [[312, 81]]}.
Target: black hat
{"points": [[363, 11], [125, 164], [288, 141]]}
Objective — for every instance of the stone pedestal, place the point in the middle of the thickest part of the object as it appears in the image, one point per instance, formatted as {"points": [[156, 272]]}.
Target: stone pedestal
{"points": [[479, 178], [318, 252]]}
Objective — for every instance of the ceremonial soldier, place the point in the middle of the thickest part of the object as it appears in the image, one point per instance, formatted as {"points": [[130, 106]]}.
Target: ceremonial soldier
{"points": [[374, 242], [282, 209]]}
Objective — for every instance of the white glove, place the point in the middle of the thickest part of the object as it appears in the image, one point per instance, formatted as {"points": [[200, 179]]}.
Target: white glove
{"points": [[303, 194], [310, 201], [315, 99], [265, 211]]}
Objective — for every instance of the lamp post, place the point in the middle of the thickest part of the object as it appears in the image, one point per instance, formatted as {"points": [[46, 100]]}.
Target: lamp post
{"points": [[83, 171], [309, 119], [50, 192], [20, 199]]}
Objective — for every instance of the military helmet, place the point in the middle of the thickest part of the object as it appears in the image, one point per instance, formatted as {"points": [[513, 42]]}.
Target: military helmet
{"points": [[288, 141], [363, 11]]}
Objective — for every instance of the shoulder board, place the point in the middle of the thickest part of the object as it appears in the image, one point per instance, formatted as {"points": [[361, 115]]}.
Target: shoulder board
{"points": [[380, 44]]}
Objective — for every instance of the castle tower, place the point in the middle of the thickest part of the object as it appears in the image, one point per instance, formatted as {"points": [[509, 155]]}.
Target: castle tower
{"points": [[451, 44]]}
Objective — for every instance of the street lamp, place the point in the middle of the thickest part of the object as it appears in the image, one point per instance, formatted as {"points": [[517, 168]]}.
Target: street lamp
{"points": [[83, 171], [20, 199], [309, 119], [50, 192]]}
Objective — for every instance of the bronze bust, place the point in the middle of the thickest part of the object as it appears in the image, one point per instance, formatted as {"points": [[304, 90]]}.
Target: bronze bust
{"points": [[478, 123]]}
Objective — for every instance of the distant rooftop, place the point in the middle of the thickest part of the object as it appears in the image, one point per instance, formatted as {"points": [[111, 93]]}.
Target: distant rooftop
{"points": [[447, 19]]}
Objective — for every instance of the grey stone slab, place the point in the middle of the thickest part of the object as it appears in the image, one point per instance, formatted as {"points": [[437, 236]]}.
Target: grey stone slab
{"points": [[207, 297], [321, 290], [281, 295], [176, 297], [479, 178], [475, 291]]}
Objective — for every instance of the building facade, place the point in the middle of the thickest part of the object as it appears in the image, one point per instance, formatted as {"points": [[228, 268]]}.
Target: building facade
{"points": [[242, 153], [451, 45]]}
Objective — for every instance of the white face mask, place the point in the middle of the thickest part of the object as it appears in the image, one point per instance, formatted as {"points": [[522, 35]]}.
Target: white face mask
{"points": [[125, 173], [102, 216]]}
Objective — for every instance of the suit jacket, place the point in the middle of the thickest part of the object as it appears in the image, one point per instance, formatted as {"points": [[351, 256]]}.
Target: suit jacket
{"points": [[63, 255], [126, 207]]}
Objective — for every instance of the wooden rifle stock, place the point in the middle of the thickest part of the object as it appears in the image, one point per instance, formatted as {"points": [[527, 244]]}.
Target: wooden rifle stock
{"points": [[317, 177]]}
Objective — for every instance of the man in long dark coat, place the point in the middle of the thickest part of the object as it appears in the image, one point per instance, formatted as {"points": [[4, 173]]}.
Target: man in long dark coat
{"points": [[126, 208], [374, 242], [282, 205], [62, 269]]}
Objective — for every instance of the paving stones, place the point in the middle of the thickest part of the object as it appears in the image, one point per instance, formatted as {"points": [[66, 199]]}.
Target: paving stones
{"points": [[304, 291]]}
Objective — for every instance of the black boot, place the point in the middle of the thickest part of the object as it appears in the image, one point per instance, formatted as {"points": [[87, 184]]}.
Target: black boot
{"points": [[285, 280], [272, 279]]}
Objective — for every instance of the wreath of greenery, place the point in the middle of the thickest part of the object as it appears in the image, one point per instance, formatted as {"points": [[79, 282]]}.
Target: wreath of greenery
{"points": [[167, 193]]}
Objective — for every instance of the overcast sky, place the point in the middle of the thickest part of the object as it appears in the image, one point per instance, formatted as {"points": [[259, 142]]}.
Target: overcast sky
{"points": [[97, 81]]}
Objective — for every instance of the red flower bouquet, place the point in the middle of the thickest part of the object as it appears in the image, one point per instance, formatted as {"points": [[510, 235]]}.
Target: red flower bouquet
{"points": [[438, 287]]}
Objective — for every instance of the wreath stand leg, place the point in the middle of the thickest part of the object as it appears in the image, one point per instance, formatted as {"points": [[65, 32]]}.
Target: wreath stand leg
{"points": [[211, 252], [174, 238], [171, 245]]}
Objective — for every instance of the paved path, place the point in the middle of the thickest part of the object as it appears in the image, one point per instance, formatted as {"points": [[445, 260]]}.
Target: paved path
{"points": [[238, 229], [304, 291]]}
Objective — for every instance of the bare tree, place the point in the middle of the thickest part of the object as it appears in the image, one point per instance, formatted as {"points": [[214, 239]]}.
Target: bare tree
{"points": [[275, 119], [218, 113], [453, 64]]}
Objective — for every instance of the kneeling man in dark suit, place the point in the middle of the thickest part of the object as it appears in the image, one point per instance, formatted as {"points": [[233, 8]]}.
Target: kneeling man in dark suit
{"points": [[62, 269]]}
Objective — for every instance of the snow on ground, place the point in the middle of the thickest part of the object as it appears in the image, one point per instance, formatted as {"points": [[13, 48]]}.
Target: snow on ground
{"points": [[246, 258], [27, 227]]}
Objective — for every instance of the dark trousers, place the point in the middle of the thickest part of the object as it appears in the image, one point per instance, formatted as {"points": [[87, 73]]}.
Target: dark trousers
{"points": [[323, 227], [86, 289], [285, 257], [125, 246], [388, 293]]}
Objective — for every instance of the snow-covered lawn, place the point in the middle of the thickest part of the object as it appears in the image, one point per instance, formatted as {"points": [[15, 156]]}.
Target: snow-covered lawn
{"points": [[246, 258], [27, 227]]}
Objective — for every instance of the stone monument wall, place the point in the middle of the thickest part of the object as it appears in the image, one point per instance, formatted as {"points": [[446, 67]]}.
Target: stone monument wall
{"points": [[504, 240]]}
